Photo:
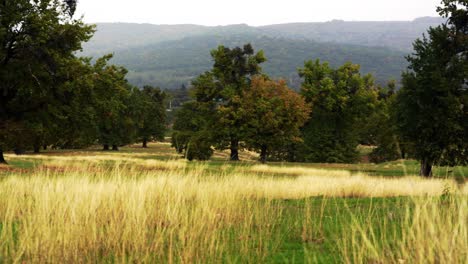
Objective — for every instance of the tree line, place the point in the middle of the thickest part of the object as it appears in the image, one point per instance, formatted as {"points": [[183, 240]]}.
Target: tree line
{"points": [[51, 97], [235, 105]]}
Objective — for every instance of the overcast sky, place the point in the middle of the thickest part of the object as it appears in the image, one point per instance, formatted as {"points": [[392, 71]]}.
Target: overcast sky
{"points": [[252, 12]]}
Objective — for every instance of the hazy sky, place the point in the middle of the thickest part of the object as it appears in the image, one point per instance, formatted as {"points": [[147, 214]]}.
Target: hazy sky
{"points": [[252, 12]]}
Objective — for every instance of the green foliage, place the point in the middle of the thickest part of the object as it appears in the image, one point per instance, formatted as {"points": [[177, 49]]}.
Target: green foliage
{"points": [[112, 97], [38, 44], [224, 84], [233, 107], [341, 100], [381, 126], [149, 113], [69, 120], [199, 147], [380, 129], [432, 106], [191, 136], [50, 97]]}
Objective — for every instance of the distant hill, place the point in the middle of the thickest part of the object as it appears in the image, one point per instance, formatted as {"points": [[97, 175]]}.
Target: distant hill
{"points": [[111, 37], [392, 34], [171, 55]]}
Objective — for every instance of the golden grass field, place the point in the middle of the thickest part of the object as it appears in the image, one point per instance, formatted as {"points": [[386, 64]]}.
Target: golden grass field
{"points": [[124, 207]]}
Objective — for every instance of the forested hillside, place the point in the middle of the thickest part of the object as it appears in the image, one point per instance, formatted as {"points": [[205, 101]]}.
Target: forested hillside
{"points": [[171, 64], [171, 55]]}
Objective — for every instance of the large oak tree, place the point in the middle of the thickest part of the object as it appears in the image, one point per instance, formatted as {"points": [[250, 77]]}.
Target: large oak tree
{"points": [[272, 115]]}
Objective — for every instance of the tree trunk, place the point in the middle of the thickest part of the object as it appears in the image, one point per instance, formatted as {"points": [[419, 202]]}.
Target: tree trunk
{"points": [[145, 143], [37, 149], [115, 148], [2, 159], [263, 154], [403, 152], [44, 147], [19, 151], [106, 147], [234, 150], [292, 153], [426, 168]]}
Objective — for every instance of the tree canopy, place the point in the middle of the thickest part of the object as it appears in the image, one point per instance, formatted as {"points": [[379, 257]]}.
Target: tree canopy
{"points": [[38, 42], [341, 100], [235, 105], [231, 75], [51, 97], [272, 115], [432, 105]]}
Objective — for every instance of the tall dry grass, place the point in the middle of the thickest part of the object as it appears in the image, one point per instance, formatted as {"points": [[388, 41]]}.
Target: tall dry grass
{"points": [[77, 210], [432, 230], [122, 217], [338, 183]]}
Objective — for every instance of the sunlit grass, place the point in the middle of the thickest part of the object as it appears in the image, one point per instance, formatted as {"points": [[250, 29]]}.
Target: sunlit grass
{"points": [[122, 215], [430, 231], [340, 183], [127, 208]]}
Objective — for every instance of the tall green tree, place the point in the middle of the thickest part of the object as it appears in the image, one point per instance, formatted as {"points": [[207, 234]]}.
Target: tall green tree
{"points": [[432, 105], [231, 75], [68, 120], [37, 40], [112, 103], [341, 99], [380, 128], [149, 114], [74, 123]]}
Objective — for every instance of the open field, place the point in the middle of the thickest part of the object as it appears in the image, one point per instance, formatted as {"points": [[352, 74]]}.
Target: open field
{"points": [[163, 152], [146, 205]]}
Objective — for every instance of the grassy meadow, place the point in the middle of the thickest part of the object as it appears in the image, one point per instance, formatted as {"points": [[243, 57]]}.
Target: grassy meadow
{"points": [[151, 206]]}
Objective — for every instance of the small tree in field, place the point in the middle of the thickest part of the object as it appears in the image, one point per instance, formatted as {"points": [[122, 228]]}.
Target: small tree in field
{"points": [[432, 107], [272, 114]]}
